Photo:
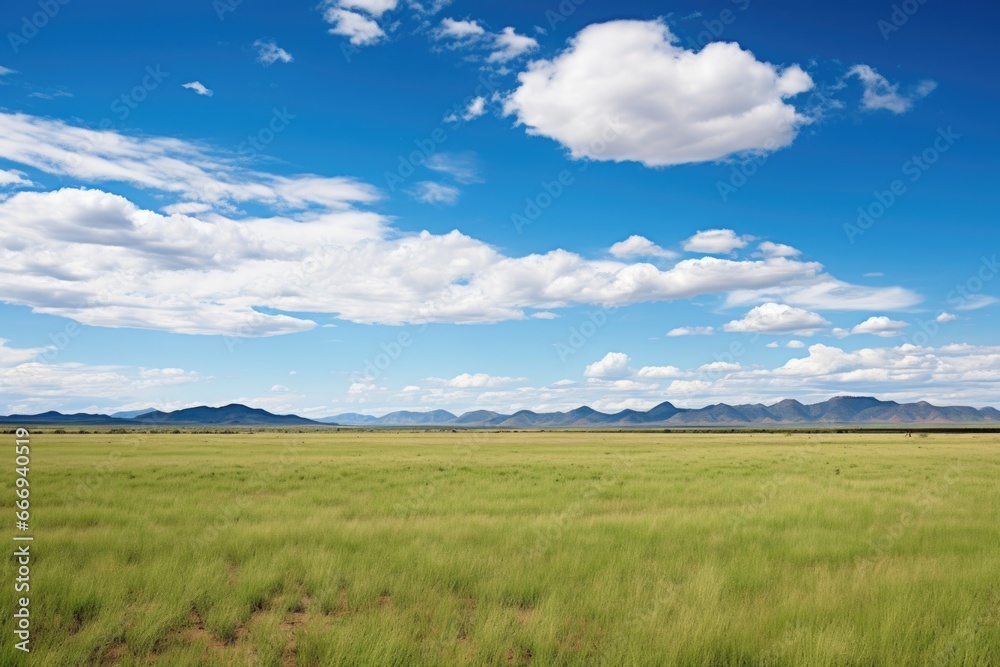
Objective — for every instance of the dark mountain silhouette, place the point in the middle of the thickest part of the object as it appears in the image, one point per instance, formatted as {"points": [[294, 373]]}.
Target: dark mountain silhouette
{"points": [[233, 414], [840, 410]]}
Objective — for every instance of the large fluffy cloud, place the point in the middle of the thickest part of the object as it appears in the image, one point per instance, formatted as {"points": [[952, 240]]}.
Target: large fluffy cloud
{"points": [[778, 318], [674, 105], [203, 267]]}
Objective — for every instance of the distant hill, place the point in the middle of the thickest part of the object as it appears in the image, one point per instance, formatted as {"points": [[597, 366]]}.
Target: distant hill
{"points": [[129, 414], [846, 410], [229, 415], [840, 410]]}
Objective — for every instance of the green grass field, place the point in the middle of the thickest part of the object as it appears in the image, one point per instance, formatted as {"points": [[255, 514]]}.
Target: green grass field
{"points": [[510, 549]]}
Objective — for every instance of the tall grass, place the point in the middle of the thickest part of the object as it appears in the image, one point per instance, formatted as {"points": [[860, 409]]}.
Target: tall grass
{"points": [[514, 548]]}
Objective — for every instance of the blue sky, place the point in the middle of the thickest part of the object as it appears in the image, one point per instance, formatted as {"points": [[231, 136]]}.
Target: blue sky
{"points": [[368, 205]]}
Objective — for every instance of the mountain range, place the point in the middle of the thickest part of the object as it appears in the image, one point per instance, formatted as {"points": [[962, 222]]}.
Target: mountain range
{"points": [[856, 410]]}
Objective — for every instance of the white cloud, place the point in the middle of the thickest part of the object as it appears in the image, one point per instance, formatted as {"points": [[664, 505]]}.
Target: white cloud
{"points": [[876, 326], [12, 356], [509, 45], [976, 301], [466, 380], [14, 179], [720, 367], [360, 29], [198, 87], [688, 386], [658, 372], [4, 71], [691, 331], [356, 389], [795, 344], [24, 375], [476, 108], [373, 7], [169, 165], [428, 8], [460, 30], [880, 94], [717, 242], [826, 293], [280, 388], [614, 365], [945, 317], [778, 250], [269, 53], [952, 374], [673, 105], [778, 318], [430, 192], [639, 246], [100, 259], [463, 167]]}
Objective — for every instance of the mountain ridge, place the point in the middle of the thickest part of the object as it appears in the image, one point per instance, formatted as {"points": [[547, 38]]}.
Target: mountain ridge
{"points": [[844, 410]]}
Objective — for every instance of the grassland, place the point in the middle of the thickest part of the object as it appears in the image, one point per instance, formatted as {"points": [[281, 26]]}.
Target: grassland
{"points": [[511, 549]]}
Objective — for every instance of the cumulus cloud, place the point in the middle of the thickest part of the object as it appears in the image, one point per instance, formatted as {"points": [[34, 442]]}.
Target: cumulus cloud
{"points": [[640, 246], [199, 88], [778, 318], [475, 109], [945, 317], [875, 326], [778, 250], [459, 30], [691, 331], [674, 105], [658, 372], [879, 93], [26, 376], [269, 53], [361, 30], [509, 45], [430, 192], [97, 257], [614, 365], [718, 242]]}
